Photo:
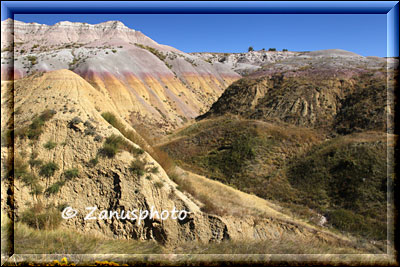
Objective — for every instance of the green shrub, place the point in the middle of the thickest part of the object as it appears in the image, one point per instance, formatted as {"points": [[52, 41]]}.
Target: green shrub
{"points": [[112, 145], [32, 59], [75, 120], [54, 188], [50, 145], [35, 162], [7, 138], [137, 167], [110, 118], [47, 170], [35, 129], [108, 150], [250, 49], [272, 49], [347, 179], [153, 170], [36, 189], [47, 114], [71, 173], [29, 179]]}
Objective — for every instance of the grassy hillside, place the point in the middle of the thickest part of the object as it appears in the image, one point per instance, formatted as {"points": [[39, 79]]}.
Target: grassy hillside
{"points": [[343, 179], [244, 154]]}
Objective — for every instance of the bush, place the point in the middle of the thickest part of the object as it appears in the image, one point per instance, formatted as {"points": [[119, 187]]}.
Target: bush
{"points": [[250, 49], [20, 168], [284, 50], [32, 59], [29, 179], [98, 138], [112, 146], [47, 114], [47, 170], [50, 145], [348, 179], [153, 170], [41, 217], [74, 121], [36, 189], [54, 188], [111, 119], [35, 162], [137, 167], [272, 49], [108, 151], [71, 173]]}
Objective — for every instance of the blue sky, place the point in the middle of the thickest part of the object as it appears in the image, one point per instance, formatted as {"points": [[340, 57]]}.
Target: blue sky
{"points": [[362, 34]]}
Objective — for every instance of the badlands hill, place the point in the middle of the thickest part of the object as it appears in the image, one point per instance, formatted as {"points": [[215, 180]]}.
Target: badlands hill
{"points": [[330, 89], [148, 83]]}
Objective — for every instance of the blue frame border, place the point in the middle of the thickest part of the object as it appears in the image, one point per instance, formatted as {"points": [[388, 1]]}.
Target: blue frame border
{"points": [[390, 8]]}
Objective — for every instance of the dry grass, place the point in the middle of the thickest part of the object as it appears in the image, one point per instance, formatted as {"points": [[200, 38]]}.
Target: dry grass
{"points": [[224, 198], [285, 245], [65, 241]]}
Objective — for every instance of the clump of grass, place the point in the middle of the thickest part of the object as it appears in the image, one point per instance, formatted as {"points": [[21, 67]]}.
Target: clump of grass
{"points": [[158, 184], [40, 217], [71, 173], [55, 188], [35, 129], [47, 170], [112, 146], [94, 161], [20, 167], [153, 170], [50, 145], [35, 162], [32, 59], [137, 167]]}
